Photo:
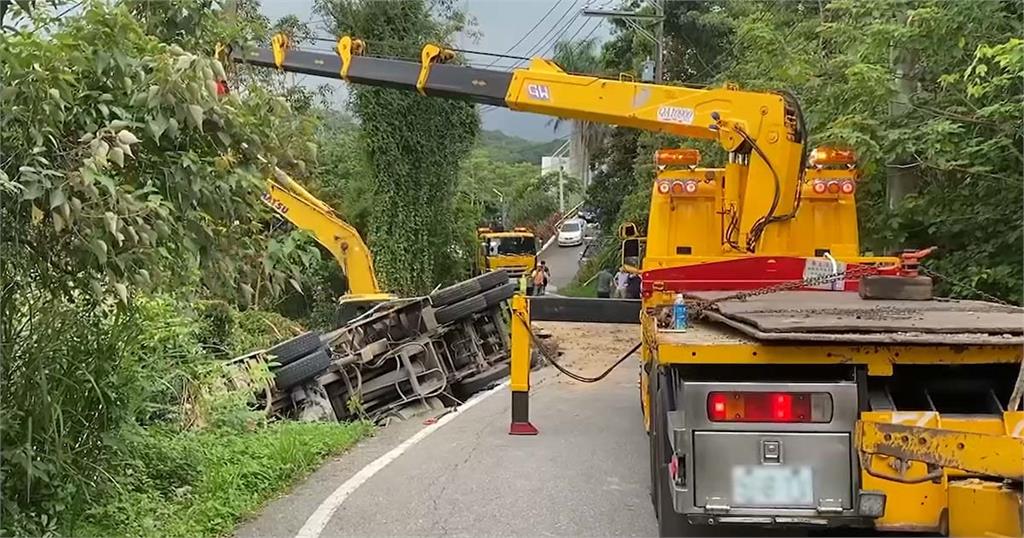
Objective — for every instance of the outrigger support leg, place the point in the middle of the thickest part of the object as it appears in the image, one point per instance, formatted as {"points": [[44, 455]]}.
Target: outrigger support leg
{"points": [[519, 367]]}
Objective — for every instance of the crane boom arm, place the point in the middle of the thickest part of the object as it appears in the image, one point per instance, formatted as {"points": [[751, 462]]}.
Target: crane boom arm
{"points": [[342, 240], [763, 129]]}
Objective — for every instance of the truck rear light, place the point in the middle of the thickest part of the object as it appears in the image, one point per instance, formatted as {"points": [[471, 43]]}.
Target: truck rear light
{"points": [[819, 187], [833, 187], [677, 187], [769, 407], [664, 187], [848, 187], [691, 187]]}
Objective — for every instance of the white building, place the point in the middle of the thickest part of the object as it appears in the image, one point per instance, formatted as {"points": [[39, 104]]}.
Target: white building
{"points": [[550, 165]]}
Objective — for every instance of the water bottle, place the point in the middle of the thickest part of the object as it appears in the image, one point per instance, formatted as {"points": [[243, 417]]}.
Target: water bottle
{"points": [[679, 313]]}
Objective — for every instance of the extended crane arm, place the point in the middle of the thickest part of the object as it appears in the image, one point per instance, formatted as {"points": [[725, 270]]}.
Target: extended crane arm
{"points": [[306, 212], [764, 130]]}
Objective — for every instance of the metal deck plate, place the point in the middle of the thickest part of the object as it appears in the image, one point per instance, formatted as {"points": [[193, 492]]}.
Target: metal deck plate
{"points": [[833, 312]]}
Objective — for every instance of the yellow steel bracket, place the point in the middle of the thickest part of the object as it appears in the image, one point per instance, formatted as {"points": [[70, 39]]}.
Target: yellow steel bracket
{"points": [[429, 55], [280, 44], [985, 454], [348, 47]]}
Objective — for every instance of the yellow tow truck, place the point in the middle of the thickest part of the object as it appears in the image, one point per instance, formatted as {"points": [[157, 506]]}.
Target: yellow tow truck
{"points": [[811, 387], [514, 251]]}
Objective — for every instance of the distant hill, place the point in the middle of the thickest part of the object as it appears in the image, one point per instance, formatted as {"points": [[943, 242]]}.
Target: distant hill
{"points": [[512, 149]]}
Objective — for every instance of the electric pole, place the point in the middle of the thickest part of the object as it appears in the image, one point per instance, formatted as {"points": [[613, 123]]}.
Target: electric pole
{"points": [[633, 19]]}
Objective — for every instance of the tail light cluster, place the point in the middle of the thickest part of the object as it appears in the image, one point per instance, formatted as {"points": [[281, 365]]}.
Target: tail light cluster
{"points": [[769, 407], [834, 187], [677, 187]]}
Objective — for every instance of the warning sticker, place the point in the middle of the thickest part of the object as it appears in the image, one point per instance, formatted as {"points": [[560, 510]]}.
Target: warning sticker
{"points": [[821, 268]]}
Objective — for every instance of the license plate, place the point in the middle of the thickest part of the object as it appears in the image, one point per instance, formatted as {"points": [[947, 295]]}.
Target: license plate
{"points": [[760, 485]]}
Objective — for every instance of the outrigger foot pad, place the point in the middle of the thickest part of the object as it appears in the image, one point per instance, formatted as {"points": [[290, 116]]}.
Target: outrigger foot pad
{"points": [[522, 428]]}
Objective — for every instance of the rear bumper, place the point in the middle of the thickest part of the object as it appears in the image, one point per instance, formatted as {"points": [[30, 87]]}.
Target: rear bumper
{"points": [[570, 242]]}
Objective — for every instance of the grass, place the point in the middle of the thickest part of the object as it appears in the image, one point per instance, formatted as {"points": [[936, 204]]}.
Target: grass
{"points": [[577, 289], [234, 474]]}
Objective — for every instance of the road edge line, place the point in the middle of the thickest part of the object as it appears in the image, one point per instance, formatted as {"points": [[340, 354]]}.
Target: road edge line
{"points": [[317, 521]]}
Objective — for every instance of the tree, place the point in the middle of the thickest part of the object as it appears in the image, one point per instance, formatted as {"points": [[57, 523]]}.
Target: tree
{"points": [[580, 57], [414, 145]]}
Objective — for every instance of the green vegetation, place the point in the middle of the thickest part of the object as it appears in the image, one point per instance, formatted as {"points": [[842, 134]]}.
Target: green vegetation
{"points": [[503, 148], [202, 483]]}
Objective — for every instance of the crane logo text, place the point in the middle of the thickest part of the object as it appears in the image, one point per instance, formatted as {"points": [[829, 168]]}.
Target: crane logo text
{"points": [[273, 203], [675, 114], [538, 91]]}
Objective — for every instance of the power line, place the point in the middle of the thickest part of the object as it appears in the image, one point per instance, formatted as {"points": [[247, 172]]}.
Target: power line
{"points": [[535, 26], [533, 50]]}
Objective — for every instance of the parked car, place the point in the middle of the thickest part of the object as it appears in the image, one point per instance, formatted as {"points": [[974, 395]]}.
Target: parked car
{"points": [[571, 233]]}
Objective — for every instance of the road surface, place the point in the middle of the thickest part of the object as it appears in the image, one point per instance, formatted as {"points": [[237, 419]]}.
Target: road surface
{"points": [[586, 473], [564, 262]]}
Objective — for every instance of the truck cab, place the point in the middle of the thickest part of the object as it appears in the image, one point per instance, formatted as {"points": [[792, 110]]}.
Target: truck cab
{"points": [[514, 251]]}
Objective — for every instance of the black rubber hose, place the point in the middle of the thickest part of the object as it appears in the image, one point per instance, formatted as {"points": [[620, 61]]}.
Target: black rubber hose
{"points": [[568, 373]]}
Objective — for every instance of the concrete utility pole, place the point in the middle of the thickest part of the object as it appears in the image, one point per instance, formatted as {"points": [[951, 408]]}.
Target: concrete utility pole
{"points": [[902, 176], [633, 19], [558, 154]]}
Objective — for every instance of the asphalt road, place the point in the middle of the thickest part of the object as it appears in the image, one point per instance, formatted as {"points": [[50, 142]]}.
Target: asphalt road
{"points": [[586, 473], [564, 262]]}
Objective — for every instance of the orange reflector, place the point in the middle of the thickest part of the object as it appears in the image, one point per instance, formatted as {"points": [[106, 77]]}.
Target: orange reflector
{"points": [[833, 187], [677, 157], [677, 187], [826, 155]]}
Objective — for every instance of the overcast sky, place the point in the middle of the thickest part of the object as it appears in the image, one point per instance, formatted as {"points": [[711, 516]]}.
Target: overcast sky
{"points": [[501, 24]]}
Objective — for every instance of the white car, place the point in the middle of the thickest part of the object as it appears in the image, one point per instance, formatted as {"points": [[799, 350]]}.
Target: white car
{"points": [[571, 233]]}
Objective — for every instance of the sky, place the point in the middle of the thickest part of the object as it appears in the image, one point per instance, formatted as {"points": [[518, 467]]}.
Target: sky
{"points": [[501, 24]]}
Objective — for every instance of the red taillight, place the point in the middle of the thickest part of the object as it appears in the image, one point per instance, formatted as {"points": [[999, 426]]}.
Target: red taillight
{"points": [[769, 407], [716, 406], [664, 187], [833, 187], [819, 187], [691, 187], [848, 187]]}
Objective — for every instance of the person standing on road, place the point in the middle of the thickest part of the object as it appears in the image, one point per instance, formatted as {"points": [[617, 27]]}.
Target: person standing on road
{"points": [[621, 280], [525, 284], [547, 274], [538, 280], [633, 286], [604, 283]]}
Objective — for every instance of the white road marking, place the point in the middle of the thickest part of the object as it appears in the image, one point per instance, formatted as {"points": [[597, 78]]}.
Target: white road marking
{"points": [[318, 520]]}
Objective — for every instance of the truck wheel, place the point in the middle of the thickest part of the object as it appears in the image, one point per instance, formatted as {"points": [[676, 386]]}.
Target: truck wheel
{"points": [[670, 523], [286, 352], [301, 369], [461, 309], [487, 281], [495, 296], [454, 293]]}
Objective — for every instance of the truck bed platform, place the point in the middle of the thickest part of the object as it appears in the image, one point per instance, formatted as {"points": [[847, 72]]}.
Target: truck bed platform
{"points": [[837, 317]]}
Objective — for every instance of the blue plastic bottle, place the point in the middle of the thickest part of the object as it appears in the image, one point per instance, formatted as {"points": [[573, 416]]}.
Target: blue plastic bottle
{"points": [[679, 313]]}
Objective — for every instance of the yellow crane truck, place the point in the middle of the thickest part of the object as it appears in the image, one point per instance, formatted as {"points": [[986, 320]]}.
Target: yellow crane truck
{"points": [[514, 251], [800, 395]]}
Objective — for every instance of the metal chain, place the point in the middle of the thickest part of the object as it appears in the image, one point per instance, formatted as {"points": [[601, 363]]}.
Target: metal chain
{"points": [[702, 305], [962, 284]]}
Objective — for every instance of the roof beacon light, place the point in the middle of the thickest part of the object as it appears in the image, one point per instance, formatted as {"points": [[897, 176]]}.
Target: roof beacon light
{"points": [[825, 155], [677, 157]]}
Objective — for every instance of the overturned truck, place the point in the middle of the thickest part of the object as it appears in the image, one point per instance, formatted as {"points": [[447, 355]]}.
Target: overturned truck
{"points": [[447, 345]]}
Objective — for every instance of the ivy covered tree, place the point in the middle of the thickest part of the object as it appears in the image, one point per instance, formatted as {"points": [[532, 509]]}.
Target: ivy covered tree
{"points": [[415, 146]]}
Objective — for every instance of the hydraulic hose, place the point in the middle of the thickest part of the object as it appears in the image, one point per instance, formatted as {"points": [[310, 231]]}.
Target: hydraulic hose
{"points": [[569, 373]]}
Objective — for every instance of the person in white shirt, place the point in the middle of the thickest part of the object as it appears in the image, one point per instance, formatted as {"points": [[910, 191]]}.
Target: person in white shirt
{"points": [[621, 281]]}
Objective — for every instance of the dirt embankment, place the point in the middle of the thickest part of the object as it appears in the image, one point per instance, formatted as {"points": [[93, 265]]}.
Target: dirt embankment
{"points": [[589, 348]]}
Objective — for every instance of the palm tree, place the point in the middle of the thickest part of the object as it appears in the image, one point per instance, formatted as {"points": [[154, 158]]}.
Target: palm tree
{"points": [[580, 57]]}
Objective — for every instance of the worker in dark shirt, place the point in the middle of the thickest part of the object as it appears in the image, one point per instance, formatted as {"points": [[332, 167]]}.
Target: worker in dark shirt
{"points": [[604, 284], [633, 286]]}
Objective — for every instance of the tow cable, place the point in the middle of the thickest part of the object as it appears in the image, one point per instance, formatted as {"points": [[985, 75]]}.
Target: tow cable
{"points": [[568, 373]]}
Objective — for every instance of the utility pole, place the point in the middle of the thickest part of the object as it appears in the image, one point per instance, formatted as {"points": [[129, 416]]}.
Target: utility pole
{"points": [[557, 158], [633, 19]]}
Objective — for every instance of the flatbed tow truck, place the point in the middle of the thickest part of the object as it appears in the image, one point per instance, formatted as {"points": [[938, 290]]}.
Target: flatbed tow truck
{"points": [[802, 395]]}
